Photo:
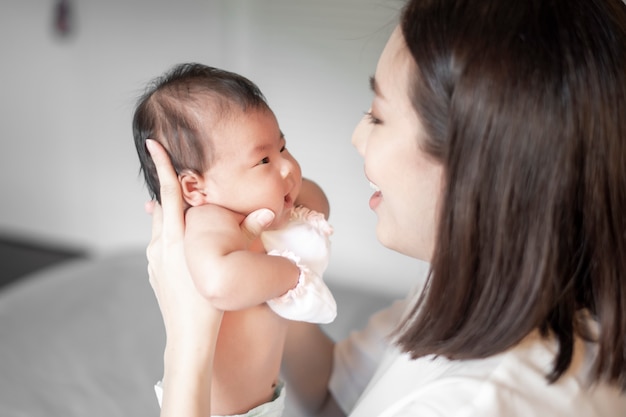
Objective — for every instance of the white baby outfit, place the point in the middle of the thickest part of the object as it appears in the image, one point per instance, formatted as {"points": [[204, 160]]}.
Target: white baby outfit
{"points": [[272, 408], [305, 241]]}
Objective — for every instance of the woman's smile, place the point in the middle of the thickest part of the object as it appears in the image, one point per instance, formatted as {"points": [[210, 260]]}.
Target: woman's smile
{"points": [[376, 198]]}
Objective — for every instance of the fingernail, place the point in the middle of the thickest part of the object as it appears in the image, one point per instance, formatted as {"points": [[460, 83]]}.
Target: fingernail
{"points": [[265, 216]]}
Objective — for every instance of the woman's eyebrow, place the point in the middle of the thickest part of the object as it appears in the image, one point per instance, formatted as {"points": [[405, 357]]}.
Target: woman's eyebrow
{"points": [[374, 86]]}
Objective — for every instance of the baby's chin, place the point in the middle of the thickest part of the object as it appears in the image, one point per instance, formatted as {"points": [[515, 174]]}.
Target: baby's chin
{"points": [[280, 220]]}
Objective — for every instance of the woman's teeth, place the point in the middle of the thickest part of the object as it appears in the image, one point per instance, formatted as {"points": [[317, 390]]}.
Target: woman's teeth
{"points": [[374, 186]]}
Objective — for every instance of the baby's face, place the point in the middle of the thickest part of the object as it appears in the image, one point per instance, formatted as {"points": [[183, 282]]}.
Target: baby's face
{"points": [[252, 169]]}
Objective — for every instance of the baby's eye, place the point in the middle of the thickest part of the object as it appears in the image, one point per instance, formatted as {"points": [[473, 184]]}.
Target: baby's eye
{"points": [[283, 148], [265, 160]]}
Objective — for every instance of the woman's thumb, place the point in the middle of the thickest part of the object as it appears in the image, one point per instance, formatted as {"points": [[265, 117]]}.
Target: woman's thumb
{"points": [[256, 222]]}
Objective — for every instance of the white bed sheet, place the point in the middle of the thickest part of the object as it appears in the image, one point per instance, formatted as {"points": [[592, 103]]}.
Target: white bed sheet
{"points": [[85, 338], [81, 339]]}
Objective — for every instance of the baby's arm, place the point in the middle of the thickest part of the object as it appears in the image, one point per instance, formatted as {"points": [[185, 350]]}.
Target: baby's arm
{"points": [[312, 197], [231, 276]]}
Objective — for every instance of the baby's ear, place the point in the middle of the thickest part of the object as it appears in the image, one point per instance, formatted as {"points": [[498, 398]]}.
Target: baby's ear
{"points": [[192, 185]]}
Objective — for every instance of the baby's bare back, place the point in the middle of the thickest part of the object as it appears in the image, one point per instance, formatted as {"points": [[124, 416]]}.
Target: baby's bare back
{"points": [[247, 359]]}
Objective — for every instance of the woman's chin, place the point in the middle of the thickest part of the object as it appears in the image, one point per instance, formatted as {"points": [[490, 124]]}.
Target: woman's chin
{"points": [[398, 243], [383, 236]]}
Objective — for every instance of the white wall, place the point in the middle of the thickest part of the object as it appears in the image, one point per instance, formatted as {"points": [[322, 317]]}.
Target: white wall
{"points": [[68, 169]]}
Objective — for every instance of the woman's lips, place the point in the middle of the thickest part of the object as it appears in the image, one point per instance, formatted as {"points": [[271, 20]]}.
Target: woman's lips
{"points": [[376, 198]]}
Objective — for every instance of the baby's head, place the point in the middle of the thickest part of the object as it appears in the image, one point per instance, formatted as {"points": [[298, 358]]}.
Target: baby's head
{"points": [[181, 109], [215, 124]]}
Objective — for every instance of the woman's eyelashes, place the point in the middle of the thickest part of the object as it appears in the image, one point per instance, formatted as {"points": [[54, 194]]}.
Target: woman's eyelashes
{"points": [[371, 118]]}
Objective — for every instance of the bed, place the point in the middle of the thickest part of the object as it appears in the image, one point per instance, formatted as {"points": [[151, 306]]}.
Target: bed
{"points": [[85, 338]]}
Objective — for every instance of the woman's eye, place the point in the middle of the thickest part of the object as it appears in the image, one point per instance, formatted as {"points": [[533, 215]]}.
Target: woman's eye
{"points": [[371, 118], [283, 149]]}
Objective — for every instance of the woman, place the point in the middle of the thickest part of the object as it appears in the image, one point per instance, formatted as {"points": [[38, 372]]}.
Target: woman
{"points": [[495, 142]]}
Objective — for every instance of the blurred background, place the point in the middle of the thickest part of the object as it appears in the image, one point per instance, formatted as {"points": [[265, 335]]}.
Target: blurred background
{"points": [[71, 74]]}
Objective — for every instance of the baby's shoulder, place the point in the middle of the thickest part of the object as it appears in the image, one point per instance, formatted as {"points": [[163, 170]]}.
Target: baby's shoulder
{"points": [[213, 211]]}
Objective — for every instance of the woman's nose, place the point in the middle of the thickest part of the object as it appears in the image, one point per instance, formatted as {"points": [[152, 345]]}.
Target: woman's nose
{"points": [[358, 136]]}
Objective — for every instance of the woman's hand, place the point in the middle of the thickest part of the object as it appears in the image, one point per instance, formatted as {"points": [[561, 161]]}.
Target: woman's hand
{"points": [[181, 305], [191, 322]]}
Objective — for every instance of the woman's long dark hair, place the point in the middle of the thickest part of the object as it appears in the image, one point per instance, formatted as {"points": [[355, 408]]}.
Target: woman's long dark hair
{"points": [[524, 104]]}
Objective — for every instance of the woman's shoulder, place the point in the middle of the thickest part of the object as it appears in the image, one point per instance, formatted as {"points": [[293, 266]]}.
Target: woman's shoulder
{"points": [[512, 383]]}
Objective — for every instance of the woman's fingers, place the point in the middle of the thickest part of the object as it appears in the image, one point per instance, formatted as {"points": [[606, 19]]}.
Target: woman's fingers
{"points": [[171, 195], [157, 226], [149, 206], [256, 222]]}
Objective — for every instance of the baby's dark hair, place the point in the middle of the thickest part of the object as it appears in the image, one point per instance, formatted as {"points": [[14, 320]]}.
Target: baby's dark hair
{"points": [[174, 111]]}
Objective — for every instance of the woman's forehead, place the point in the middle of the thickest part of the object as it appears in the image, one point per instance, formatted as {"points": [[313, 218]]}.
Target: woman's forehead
{"points": [[394, 65]]}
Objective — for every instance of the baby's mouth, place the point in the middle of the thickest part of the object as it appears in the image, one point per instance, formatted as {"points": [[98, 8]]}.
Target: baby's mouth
{"points": [[288, 201]]}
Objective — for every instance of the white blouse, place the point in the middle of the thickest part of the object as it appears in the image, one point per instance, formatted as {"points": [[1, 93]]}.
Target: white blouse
{"points": [[371, 377]]}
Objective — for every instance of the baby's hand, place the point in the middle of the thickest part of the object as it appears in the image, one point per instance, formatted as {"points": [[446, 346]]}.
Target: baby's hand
{"points": [[305, 241], [306, 235]]}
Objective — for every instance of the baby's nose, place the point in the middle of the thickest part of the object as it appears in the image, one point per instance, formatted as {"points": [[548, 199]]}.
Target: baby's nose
{"points": [[286, 168]]}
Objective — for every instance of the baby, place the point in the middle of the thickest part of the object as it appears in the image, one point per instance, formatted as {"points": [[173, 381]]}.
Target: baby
{"points": [[231, 159]]}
